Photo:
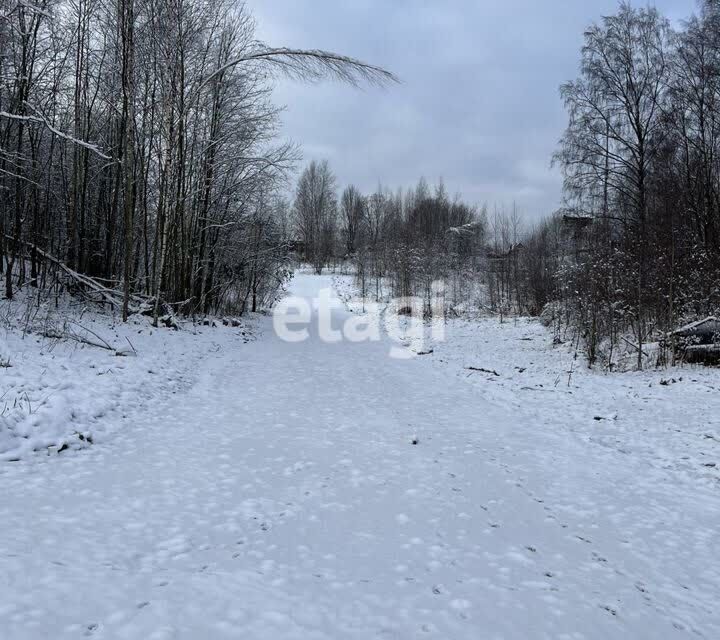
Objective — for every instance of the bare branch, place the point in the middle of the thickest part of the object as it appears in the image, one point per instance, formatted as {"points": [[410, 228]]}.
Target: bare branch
{"points": [[314, 65]]}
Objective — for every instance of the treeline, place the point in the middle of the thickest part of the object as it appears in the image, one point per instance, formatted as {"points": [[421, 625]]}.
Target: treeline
{"points": [[138, 150], [401, 242]]}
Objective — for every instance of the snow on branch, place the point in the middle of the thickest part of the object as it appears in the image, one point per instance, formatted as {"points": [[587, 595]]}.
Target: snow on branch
{"points": [[312, 64], [17, 176], [39, 118]]}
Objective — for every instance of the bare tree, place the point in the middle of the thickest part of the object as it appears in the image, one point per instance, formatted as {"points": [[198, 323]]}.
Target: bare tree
{"points": [[352, 208], [616, 129], [315, 213]]}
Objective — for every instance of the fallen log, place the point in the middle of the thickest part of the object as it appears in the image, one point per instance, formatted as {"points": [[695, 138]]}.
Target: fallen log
{"points": [[139, 304]]}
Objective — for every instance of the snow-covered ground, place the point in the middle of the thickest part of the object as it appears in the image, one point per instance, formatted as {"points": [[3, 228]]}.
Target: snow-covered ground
{"points": [[278, 493], [68, 377]]}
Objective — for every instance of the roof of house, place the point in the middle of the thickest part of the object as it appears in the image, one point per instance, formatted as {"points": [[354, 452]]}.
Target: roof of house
{"points": [[708, 326]]}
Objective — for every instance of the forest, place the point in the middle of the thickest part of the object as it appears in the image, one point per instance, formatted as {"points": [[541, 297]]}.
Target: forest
{"points": [[139, 161], [140, 165]]}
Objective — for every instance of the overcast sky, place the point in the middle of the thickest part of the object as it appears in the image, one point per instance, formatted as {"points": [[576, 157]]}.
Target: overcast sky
{"points": [[478, 104]]}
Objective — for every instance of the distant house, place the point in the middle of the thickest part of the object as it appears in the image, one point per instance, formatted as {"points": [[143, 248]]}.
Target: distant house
{"points": [[502, 263], [705, 331], [577, 222], [503, 256], [575, 227]]}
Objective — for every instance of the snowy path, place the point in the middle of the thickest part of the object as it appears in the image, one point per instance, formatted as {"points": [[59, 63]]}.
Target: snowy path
{"points": [[281, 497]]}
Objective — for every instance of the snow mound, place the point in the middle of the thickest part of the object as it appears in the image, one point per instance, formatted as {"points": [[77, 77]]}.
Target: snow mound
{"points": [[67, 377]]}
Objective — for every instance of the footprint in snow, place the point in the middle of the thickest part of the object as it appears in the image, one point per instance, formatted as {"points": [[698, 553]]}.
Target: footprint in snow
{"points": [[610, 610]]}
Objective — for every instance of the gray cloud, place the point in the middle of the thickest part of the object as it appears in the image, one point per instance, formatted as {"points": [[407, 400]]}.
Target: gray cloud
{"points": [[478, 104]]}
